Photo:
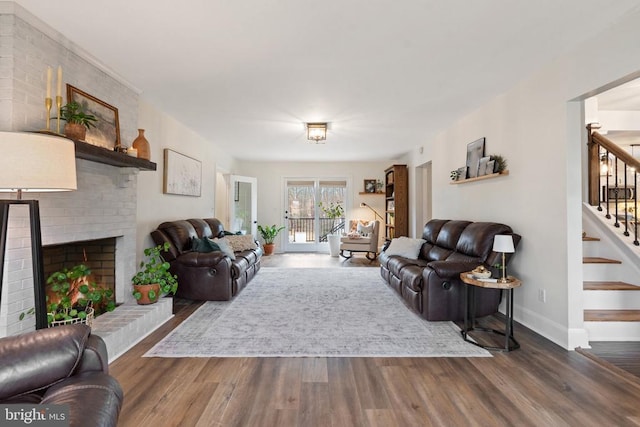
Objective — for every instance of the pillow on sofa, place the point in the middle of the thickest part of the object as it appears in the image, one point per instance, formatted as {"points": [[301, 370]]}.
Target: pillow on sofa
{"points": [[241, 242], [203, 245], [225, 247], [405, 247]]}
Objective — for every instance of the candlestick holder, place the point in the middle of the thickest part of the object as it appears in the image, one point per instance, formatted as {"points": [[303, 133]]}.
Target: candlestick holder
{"points": [[47, 104], [59, 105]]}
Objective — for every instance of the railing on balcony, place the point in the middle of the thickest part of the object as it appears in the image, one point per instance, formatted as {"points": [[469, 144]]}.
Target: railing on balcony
{"points": [[613, 176], [306, 226]]}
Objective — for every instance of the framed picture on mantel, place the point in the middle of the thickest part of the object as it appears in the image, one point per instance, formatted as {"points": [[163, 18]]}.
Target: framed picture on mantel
{"points": [[106, 132]]}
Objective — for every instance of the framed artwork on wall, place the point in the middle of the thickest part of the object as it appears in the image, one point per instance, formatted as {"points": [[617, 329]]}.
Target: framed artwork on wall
{"points": [[106, 132], [369, 185], [182, 174], [475, 151]]}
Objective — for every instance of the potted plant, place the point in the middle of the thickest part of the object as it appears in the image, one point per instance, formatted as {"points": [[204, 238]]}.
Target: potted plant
{"points": [[333, 211], [154, 278], [73, 298], [77, 121], [269, 234]]}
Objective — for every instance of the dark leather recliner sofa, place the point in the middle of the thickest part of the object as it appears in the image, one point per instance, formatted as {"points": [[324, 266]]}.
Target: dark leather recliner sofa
{"points": [[431, 285], [64, 365], [211, 276]]}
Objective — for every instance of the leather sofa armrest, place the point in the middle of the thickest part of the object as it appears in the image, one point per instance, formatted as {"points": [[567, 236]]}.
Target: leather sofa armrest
{"points": [[451, 269], [95, 357]]}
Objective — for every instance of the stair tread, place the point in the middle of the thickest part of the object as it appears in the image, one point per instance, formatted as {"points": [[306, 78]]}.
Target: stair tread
{"points": [[612, 315], [609, 286], [599, 260], [590, 239]]}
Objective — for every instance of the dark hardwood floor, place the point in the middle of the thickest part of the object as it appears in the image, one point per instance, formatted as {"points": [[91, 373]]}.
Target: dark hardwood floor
{"points": [[540, 384]]}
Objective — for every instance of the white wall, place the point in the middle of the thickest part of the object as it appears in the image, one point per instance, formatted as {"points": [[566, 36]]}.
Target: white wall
{"points": [[538, 130], [271, 191], [154, 207]]}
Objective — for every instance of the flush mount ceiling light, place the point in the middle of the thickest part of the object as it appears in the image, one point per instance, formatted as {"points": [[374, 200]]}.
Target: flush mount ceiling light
{"points": [[316, 132]]}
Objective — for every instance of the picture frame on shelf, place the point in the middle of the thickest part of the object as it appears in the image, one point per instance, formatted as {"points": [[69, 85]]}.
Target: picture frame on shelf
{"points": [[369, 185], [475, 151], [491, 165], [462, 173], [182, 174], [482, 168], [106, 133]]}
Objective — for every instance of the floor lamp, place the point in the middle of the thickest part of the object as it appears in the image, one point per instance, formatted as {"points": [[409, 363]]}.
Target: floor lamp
{"points": [[32, 162], [364, 205]]}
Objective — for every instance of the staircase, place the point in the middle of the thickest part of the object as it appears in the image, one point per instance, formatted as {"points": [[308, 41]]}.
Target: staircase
{"points": [[611, 283]]}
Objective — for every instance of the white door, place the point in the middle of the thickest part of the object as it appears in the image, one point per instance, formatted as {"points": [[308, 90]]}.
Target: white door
{"points": [[306, 225], [243, 204]]}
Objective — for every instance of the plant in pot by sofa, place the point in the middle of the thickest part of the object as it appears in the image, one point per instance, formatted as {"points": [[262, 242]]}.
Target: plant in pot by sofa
{"points": [[77, 121], [333, 211], [154, 278], [269, 233], [73, 298]]}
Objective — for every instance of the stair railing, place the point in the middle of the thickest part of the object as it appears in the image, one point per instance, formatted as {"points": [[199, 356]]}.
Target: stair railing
{"points": [[613, 178]]}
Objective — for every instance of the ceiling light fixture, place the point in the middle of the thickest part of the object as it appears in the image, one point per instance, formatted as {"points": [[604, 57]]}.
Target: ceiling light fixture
{"points": [[316, 132]]}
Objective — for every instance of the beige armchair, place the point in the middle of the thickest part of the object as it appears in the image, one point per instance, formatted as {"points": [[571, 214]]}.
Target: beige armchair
{"points": [[356, 241]]}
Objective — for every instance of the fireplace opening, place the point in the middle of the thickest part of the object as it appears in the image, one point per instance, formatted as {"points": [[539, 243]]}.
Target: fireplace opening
{"points": [[98, 255]]}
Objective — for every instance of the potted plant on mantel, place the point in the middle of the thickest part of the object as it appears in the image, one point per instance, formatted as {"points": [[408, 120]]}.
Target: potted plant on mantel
{"points": [[269, 233], [154, 278], [77, 121], [333, 211]]}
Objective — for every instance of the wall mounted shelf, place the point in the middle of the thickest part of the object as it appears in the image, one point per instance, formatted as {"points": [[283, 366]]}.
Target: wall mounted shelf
{"points": [[480, 178], [377, 193]]}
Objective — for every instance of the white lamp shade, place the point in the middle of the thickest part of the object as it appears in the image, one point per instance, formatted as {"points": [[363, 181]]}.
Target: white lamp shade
{"points": [[503, 243], [36, 162]]}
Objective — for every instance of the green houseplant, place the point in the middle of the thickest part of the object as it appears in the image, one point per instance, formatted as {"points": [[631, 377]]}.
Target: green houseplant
{"points": [[269, 233], [73, 298], [154, 278], [77, 120]]}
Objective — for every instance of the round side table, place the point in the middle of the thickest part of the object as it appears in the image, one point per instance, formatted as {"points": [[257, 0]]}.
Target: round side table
{"points": [[471, 283]]}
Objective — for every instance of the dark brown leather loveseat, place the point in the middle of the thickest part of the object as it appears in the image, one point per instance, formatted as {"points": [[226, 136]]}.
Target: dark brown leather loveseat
{"points": [[431, 284], [211, 276], [64, 365]]}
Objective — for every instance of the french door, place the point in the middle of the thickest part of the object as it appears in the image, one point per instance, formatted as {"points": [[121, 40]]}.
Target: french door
{"points": [[306, 225]]}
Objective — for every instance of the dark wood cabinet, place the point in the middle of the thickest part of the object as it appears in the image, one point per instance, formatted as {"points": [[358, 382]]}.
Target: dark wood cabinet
{"points": [[396, 180]]}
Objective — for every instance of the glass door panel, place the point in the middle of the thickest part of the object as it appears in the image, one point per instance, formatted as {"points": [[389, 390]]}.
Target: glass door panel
{"points": [[300, 214]]}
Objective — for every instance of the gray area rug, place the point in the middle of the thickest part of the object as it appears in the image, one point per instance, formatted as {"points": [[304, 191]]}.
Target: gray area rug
{"points": [[313, 312]]}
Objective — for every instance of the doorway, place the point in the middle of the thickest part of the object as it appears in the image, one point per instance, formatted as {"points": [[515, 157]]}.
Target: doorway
{"points": [[243, 204], [306, 225]]}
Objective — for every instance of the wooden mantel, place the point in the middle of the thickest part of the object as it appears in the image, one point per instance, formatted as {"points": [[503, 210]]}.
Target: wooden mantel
{"points": [[93, 153], [97, 154]]}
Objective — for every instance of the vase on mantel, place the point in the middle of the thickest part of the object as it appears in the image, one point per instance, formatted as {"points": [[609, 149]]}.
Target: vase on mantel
{"points": [[142, 145]]}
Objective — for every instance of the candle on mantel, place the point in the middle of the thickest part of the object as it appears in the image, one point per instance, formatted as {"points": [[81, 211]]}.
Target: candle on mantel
{"points": [[48, 82], [133, 152], [59, 93]]}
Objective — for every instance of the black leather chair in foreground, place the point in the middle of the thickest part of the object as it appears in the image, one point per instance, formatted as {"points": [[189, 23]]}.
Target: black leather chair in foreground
{"points": [[64, 365]]}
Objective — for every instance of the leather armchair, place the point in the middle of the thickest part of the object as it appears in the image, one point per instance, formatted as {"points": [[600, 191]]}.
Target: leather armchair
{"points": [[64, 365], [368, 244]]}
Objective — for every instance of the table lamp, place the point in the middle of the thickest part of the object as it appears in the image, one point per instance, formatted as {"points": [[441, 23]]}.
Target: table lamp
{"points": [[503, 243], [32, 162]]}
